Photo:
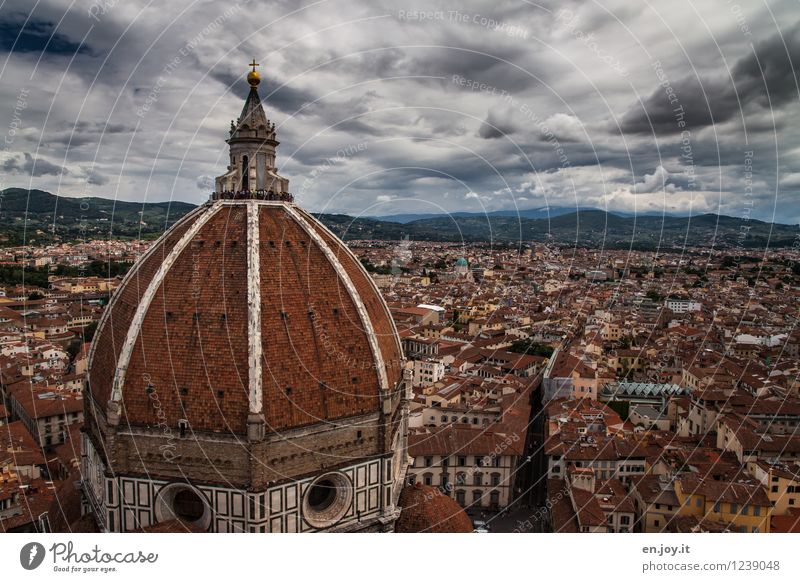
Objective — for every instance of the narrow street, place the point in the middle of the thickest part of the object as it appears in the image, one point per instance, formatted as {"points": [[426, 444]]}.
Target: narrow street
{"points": [[528, 514]]}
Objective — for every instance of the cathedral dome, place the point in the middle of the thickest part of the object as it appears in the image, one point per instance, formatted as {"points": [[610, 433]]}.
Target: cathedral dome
{"points": [[245, 307], [247, 374], [428, 510]]}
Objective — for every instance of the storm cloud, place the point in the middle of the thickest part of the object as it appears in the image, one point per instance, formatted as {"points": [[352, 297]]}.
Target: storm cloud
{"points": [[764, 79], [465, 106], [27, 165]]}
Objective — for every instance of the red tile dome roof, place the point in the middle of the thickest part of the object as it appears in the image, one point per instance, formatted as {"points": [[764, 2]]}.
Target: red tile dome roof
{"points": [[425, 509], [243, 305]]}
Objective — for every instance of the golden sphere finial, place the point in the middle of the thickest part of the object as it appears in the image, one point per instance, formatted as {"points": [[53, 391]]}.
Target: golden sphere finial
{"points": [[253, 77]]}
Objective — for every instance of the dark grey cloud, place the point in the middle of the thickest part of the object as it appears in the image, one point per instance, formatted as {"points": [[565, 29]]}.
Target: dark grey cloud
{"points": [[769, 74], [86, 133], [498, 123], [765, 78], [277, 93], [27, 165], [205, 183], [150, 96], [35, 36], [96, 178]]}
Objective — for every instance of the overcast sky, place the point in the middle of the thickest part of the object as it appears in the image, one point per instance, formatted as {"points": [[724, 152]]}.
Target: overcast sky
{"points": [[627, 105]]}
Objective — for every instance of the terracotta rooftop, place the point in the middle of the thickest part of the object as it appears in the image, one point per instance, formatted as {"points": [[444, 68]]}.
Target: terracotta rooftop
{"points": [[425, 509], [181, 325]]}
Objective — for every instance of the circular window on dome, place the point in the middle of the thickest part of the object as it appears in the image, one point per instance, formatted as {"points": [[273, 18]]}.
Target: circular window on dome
{"points": [[327, 499], [185, 503]]}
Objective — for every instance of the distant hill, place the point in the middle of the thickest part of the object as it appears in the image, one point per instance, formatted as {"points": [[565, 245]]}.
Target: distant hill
{"points": [[546, 212], [39, 217], [52, 218], [590, 227]]}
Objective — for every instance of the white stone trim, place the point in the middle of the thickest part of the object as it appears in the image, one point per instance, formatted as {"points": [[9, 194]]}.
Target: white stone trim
{"points": [[360, 307], [147, 298], [254, 306], [133, 271]]}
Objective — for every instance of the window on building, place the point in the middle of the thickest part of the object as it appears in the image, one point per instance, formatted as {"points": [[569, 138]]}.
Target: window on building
{"points": [[745, 509], [734, 508], [428, 461], [462, 461], [461, 498], [495, 479], [476, 497], [716, 507], [757, 510], [188, 505], [699, 502]]}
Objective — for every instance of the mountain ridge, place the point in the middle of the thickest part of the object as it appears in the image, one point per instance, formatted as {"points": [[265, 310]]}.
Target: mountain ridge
{"points": [[39, 217]]}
